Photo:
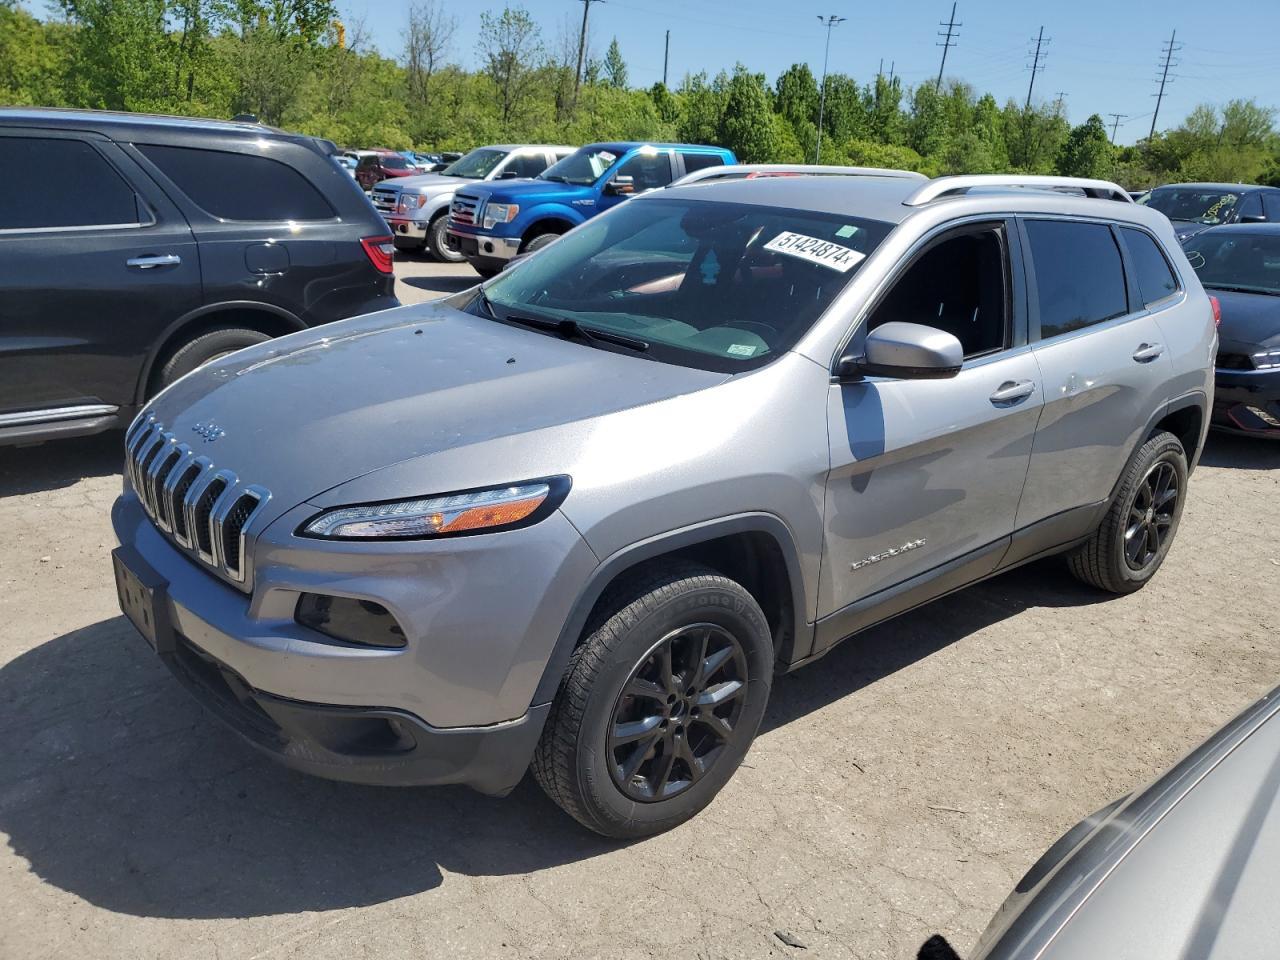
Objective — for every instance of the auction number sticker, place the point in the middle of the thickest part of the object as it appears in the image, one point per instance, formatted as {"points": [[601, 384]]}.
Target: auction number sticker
{"points": [[824, 252]]}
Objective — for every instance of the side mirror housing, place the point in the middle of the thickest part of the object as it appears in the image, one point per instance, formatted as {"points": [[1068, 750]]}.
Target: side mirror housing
{"points": [[905, 351], [1253, 218], [621, 186], [508, 175]]}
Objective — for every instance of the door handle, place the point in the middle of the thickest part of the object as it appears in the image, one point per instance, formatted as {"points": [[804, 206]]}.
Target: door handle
{"points": [[1148, 352], [151, 262], [1013, 391]]}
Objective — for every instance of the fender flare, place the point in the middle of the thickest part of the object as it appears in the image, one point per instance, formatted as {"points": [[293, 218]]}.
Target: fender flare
{"points": [[193, 317], [627, 557], [551, 211], [1193, 398]]}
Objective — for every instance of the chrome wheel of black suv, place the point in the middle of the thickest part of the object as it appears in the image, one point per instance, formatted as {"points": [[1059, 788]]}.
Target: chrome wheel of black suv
{"points": [[660, 701], [1135, 535]]}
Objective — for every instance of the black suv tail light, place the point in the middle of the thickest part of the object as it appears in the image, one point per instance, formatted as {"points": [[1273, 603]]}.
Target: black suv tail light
{"points": [[380, 251]]}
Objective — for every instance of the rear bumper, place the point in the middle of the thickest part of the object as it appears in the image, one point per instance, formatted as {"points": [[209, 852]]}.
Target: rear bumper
{"points": [[1247, 402]]}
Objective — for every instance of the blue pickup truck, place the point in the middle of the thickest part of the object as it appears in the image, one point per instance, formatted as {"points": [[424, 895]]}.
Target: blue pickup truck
{"points": [[491, 223]]}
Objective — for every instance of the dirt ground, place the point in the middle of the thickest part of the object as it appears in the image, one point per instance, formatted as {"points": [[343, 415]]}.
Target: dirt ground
{"points": [[899, 787]]}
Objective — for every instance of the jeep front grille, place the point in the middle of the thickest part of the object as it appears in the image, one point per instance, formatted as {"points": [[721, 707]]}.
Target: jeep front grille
{"points": [[202, 510]]}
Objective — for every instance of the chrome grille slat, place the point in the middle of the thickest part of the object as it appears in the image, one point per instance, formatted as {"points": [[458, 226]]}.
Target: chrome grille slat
{"points": [[202, 510]]}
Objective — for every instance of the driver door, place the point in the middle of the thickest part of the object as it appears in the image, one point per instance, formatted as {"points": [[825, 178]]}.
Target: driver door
{"points": [[926, 474]]}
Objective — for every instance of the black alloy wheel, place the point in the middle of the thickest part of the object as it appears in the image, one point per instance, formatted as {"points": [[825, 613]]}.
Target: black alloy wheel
{"points": [[677, 712], [1151, 515]]}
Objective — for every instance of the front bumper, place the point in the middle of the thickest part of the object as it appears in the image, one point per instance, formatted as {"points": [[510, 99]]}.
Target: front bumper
{"points": [[1247, 402], [403, 228], [455, 705], [483, 249]]}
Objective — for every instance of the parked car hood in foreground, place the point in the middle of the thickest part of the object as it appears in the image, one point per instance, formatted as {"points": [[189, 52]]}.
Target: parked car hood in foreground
{"points": [[1248, 319], [305, 413]]}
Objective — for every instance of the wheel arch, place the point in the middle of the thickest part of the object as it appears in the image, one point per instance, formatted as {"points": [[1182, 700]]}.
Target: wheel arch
{"points": [[756, 549], [549, 222], [265, 317]]}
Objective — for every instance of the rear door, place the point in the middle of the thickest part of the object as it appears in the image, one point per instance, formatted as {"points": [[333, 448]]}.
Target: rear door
{"points": [[1104, 362], [95, 263]]}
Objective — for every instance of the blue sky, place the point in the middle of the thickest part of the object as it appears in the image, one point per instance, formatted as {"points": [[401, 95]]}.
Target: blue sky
{"points": [[1103, 55]]}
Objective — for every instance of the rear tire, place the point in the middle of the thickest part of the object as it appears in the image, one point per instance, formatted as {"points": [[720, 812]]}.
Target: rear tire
{"points": [[633, 747], [437, 241], [1134, 537], [210, 345]]}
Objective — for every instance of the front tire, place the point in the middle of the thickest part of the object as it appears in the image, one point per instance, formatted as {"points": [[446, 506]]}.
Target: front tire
{"points": [[1134, 537], [537, 243], [659, 703], [437, 241]]}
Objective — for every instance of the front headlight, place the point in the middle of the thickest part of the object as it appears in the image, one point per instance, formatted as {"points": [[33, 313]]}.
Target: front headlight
{"points": [[496, 213], [477, 511], [1267, 359], [410, 201]]}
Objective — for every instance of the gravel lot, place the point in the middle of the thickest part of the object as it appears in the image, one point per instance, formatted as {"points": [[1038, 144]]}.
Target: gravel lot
{"points": [[899, 787]]}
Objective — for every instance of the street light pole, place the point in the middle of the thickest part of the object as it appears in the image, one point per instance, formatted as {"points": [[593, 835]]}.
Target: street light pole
{"points": [[829, 22]]}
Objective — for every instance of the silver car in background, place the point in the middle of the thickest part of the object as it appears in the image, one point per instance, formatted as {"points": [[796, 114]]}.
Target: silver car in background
{"points": [[416, 208]]}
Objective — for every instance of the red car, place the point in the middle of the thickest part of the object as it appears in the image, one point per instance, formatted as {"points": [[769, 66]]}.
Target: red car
{"points": [[378, 166]]}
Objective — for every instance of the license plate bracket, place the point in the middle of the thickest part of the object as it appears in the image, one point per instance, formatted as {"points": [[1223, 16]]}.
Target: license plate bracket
{"points": [[143, 596]]}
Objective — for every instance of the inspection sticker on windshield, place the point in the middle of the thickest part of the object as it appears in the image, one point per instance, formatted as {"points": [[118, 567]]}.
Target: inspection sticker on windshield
{"points": [[815, 251]]}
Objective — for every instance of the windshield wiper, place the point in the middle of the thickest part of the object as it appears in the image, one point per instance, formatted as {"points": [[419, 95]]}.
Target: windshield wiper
{"points": [[1237, 289], [572, 328]]}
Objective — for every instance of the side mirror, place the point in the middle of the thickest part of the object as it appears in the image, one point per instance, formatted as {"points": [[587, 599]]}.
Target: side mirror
{"points": [[621, 186], [1253, 218], [508, 175], [905, 351]]}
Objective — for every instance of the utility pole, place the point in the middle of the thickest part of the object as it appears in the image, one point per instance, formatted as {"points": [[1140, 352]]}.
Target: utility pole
{"points": [[1169, 49], [1116, 119], [829, 22], [1057, 101], [582, 46], [946, 44], [1035, 66], [666, 56]]}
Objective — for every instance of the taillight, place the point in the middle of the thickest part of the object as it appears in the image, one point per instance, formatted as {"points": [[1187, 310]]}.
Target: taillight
{"points": [[381, 252], [1217, 311]]}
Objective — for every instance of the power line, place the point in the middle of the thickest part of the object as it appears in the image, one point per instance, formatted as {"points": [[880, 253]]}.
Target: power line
{"points": [[830, 23], [947, 44], [1169, 49], [1036, 66], [1116, 120], [582, 46]]}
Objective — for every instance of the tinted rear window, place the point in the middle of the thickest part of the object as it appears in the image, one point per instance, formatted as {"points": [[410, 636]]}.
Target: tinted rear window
{"points": [[239, 186], [700, 161], [87, 193], [1079, 275], [1155, 277]]}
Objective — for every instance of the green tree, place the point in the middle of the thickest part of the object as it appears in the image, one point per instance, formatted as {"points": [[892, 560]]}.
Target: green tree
{"points": [[746, 125], [510, 46], [796, 95], [615, 68], [1086, 152]]}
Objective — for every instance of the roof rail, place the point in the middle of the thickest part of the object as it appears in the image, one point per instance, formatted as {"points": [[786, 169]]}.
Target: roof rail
{"points": [[954, 186], [747, 171]]}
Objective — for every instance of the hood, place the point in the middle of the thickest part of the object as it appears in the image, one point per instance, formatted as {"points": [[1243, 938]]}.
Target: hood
{"points": [[305, 413], [521, 191], [431, 183], [1186, 229], [1248, 319]]}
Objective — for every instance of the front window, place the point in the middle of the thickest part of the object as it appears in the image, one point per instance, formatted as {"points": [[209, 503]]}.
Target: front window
{"points": [[1248, 262], [1194, 204], [476, 165], [719, 286], [582, 168], [395, 162]]}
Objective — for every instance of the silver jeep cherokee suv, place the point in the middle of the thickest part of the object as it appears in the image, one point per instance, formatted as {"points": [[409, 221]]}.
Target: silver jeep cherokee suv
{"points": [[578, 517]]}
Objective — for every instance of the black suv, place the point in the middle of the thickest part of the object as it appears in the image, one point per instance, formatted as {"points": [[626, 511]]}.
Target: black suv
{"points": [[135, 248]]}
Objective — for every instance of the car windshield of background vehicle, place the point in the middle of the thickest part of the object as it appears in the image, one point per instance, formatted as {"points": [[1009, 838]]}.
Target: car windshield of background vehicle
{"points": [[396, 162], [476, 165], [718, 286], [1194, 206], [1237, 261], [582, 168]]}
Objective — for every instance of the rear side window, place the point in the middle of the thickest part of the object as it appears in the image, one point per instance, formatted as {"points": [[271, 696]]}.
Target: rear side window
{"points": [[1155, 277], [527, 165], [1271, 205], [1079, 275], [700, 161], [87, 193], [1251, 206], [239, 186]]}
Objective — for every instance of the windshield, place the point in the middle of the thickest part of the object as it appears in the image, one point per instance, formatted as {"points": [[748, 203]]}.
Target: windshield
{"points": [[1193, 205], [395, 162], [476, 165], [719, 286], [1237, 261], [582, 168]]}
